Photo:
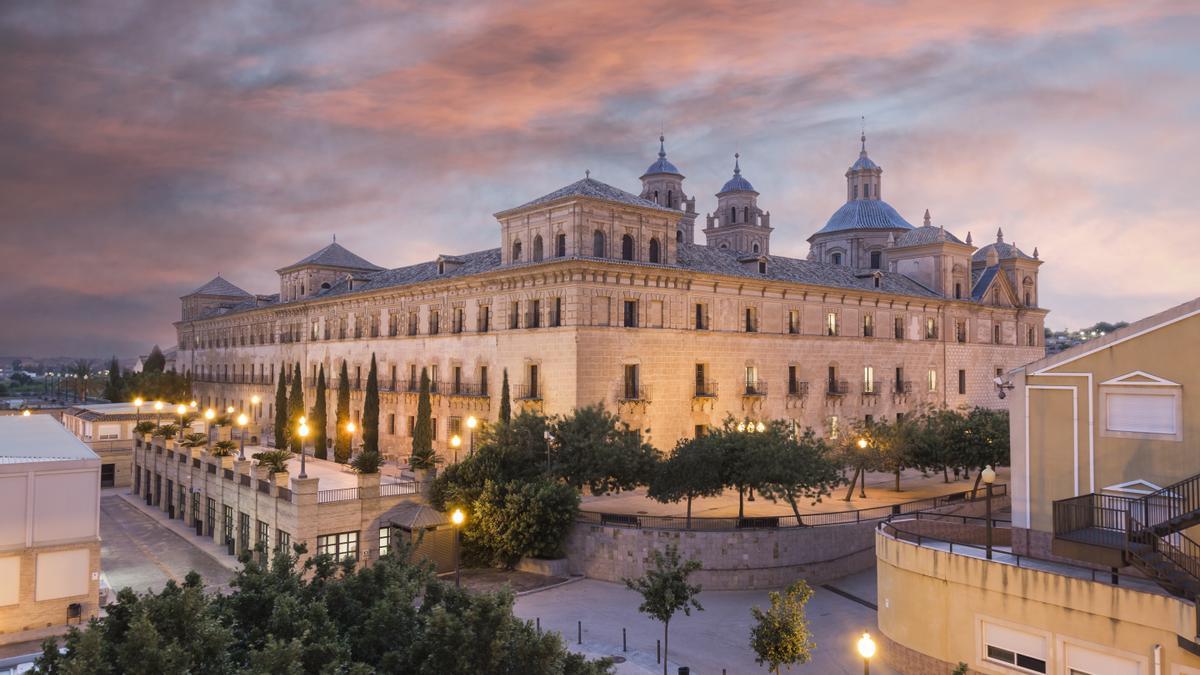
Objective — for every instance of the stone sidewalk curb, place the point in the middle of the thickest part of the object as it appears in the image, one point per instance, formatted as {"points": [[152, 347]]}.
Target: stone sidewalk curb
{"points": [[186, 533], [546, 588]]}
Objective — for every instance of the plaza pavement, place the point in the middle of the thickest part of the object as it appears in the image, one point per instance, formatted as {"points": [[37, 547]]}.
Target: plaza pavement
{"points": [[880, 492], [708, 641]]}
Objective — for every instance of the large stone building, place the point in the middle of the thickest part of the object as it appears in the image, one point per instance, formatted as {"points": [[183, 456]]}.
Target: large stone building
{"points": [[599, 295]]}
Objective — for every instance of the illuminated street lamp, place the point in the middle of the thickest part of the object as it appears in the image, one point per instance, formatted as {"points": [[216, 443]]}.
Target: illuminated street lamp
{"points": [[989, 476], [242, 421], [137, 410], [471, 424], [455, 442], [303, 433], [254, 401], [866, 649], [458, 518], [182, 410], [350, 429], [862, 444], [26, 413], [158, 406]]}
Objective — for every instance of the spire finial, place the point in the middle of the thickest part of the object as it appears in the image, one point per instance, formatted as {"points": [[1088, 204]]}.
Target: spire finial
{"points": [[737, 169], [999, 235], [587, 173], [662, 148], [335, 237], [863, 136], [969, 239], [1035, 253], [927, 218]]}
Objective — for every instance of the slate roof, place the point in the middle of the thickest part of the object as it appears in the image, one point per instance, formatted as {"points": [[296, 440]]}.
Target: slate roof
{"points": [[335, 255], [779, 268], [219, 286], [983, 282], [472, 263], [738, 183], [863, 162], [412, 516], [1004, 250], [864, 214], [590, 187], [926, 234]]}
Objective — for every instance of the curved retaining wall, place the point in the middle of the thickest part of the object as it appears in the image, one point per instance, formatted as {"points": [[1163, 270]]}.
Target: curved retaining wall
{"points": [[736, 559]]}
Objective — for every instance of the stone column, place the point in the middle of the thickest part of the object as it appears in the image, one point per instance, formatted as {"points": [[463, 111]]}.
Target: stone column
{"points": [[304, 497]]}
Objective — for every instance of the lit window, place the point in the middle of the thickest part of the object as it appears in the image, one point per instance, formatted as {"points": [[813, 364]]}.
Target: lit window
{"points": [[340, 546]]}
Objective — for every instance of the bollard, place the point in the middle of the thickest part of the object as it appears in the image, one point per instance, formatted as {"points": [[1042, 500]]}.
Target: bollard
{"points": [[579, 626], [624, 644], [658, 651]]}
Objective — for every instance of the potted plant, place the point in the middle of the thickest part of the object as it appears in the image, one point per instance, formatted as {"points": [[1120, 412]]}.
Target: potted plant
{"points": [[367, 464], [224, 448], [274, 461]]}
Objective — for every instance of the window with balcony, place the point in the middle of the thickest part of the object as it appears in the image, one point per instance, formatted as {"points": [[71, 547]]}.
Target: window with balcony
{"points": [[793, 381], [632, 384], [532, 381], [869, 380], [457, 382], [483, 380], [433, 378], [754, 385], [704, 388]]}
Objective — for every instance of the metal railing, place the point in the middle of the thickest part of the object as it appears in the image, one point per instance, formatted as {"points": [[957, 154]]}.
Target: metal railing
{"points": [[705, 390], [1178, 548], [397, 489], [702, 523], [755, 388], [797, 389], [1091, 511], [525, 392], [631, 393], [339, 495], [264, 486], [837, 387], [904, 387]]}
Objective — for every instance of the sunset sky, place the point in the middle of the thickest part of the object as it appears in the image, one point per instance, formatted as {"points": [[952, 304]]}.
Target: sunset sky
{"points": [[146, 146]]}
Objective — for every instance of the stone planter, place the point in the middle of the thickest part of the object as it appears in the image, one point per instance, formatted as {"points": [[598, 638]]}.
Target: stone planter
{"points": [[368, 485], [281, 479]]}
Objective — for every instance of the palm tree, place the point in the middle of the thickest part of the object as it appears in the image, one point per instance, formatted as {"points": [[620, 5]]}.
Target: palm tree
{"points": [[367, 461], [276, 461], [194, 440], [146, 427], [224, 448], [166, 430]]}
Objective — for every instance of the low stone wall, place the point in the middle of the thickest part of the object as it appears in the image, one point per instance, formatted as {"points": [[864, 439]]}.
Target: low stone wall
{"points": [[736, 559], [974, 533], [911, 662]]}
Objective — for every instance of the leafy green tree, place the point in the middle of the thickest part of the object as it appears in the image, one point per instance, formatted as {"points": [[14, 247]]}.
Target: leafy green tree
{"points": [[734, 448], [423, 457], [987, 441], [158, 386], [592, 447], [692, 470], [295, 408], [505, 400], [370, 418], [281, 409], [792, 467], [665, 590], [113, 388], [320, 417], [515, 451], [155, 362], [341, 436], [509, 521], [780, 636]]}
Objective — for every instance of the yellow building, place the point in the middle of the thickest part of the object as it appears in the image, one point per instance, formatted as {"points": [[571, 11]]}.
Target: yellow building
{"points": [[1102, 576]]}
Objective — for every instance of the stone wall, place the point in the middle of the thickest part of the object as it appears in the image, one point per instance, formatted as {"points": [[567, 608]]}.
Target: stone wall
{"points": [[736, 559], [973, 533]]}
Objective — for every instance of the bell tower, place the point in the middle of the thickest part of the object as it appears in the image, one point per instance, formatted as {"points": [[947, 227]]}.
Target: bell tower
{"points": [[738, 223], [663, 184]]}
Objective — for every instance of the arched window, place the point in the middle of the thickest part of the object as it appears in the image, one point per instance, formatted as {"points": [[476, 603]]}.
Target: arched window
{"points": [[537, 248], [656, 196], [836, 258], [670, 199], [745, 214], [626, 247], [876, 259], [560, 245], [957, 290], [733, 214], [516, 251], [756, 247], [325, 285], [866, 190], [679, 236], [598, 247], [724, 245], [654, 251], [1028, 297]]}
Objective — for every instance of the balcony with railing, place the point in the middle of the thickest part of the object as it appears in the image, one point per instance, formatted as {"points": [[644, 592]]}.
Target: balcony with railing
{"points": [[464, 388], [754, 388], [901, 387], [633, 393], [870, 388], [526, 392], [797, 389], [705, 390], [837, 388]]}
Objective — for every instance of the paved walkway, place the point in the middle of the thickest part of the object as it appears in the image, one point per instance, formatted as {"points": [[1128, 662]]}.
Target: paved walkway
{"points": [[708, 641], [142, 549], [880, 492]]}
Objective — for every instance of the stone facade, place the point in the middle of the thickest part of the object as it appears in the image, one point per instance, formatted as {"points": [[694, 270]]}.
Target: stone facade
{"points": [[597, 296]]}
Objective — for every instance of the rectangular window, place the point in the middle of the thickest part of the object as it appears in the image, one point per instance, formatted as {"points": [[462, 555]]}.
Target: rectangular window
{"points": [[868, 380], [556, 313], [834, 430], [433, 378], [996, 333], [831, 323], [243, 532], [701, 316], [483, 380], [458, 320], [392, 424], [868, 325], [456, 380], [962, 382], [751, 320], [227, 518], [210, 515], [433, 322], [433, 427], [1141, 413], [793, 321], [533, 381], [385, 541], [793, 381], [631, 314], [414, 383], [485, 318], [932, 379], [455, 427], [701, 380], [535, 314], [514, 314], [751, 380], [960, 330], [283, 541], [412, 323], [1017, 648], [264, 538], [931, 328], [340, 546], [898, 327], [412, 425], [632, 392], [876, 259]]}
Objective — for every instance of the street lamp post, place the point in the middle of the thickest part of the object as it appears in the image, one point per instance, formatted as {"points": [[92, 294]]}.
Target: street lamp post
{"points": [[989, 477], [455, 442], [866, 649], [548, 437], [457, 518], [137, 411], [158, 406], [242, 421], [254, 401], [182, 410], [471, 424], [351, 427], [303, 433], [209, 416]]}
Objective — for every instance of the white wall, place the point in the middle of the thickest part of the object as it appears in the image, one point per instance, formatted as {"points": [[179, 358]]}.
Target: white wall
{"points": [[65, 506], [62, 574]]}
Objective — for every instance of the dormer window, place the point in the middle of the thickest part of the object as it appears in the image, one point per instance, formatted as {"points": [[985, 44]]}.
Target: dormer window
{"points": [[325, 286], [441, 268], [762, 267], [836, 258], [516, 251], [878, 279], [876, 259]]}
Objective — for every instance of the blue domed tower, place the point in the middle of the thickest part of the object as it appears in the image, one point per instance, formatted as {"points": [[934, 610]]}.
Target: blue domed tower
{"points": [[663, 184], [857, 234], [738, 223]]}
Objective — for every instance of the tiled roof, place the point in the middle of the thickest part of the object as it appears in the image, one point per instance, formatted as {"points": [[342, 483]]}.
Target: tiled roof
{"points": [[335, 255], [863, 162], [590, 187], [983, 282], [662, 164], [779, 268], [219, 286], [865, 214], [926, 234], [472, 263], [1004, 250]]}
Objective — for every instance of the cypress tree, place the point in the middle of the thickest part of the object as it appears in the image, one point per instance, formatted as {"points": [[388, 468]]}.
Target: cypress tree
{"points": [[281, 409], [295, 409], [370, 418], [422, 445], [341, 439], [320, 416], [113, 390], [505, 404]]}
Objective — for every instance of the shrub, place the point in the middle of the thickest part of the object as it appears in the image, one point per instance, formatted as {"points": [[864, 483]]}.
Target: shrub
{"points": [[509, 521]]}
